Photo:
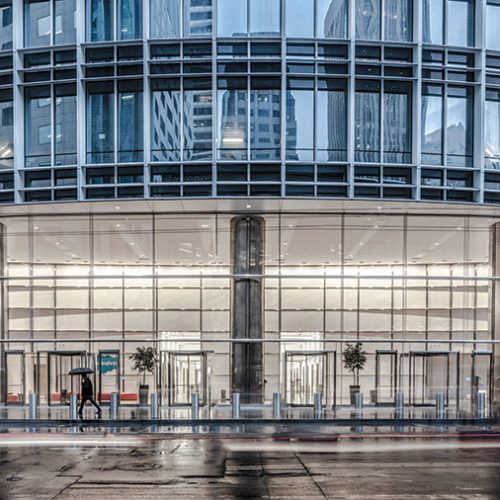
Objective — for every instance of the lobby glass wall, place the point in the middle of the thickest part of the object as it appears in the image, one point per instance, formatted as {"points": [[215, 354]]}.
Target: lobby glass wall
{"points": [[112, 283]]}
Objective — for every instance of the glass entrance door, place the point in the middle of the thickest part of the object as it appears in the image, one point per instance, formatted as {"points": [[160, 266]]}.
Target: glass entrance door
{"points": [[61, 385], [182, 374], [108, 369], [429, 374], [481, 376], [386, 376], [15, 377], [307, 373]]}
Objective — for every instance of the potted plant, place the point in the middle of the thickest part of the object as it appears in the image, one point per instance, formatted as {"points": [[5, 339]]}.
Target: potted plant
{"points": [[354, 360], [144, 359]]}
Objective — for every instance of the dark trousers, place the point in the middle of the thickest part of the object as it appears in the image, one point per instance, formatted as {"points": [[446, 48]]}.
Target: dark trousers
{"points": [[84, 400]]}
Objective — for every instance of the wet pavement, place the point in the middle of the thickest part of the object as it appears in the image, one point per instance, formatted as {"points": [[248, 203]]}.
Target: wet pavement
{"points": [[280, 461]]}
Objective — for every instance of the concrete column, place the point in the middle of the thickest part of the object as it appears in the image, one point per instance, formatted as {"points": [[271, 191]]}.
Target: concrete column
{"points": [[247, 254], [495, 314]]}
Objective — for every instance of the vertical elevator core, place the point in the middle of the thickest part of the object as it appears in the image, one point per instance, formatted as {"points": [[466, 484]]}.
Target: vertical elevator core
{"points": [[247, 265]]}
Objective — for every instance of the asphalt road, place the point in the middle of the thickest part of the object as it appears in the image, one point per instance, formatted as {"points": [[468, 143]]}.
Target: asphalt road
{"points": [[80, 464]]}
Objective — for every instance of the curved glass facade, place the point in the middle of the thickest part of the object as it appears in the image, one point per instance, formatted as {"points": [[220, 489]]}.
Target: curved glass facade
{"points": [[313, 103], [380, 99]]}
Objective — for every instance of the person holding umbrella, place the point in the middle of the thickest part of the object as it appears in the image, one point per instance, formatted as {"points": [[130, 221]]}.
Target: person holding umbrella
{"points": [[87, 395], [87, 389]]}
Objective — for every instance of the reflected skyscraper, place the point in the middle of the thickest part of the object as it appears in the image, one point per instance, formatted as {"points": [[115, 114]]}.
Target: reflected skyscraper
{"points": [[335, 22]]}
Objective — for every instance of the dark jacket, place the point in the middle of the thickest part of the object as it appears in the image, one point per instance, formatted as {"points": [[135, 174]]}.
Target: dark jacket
{"points": [[87, 389]]}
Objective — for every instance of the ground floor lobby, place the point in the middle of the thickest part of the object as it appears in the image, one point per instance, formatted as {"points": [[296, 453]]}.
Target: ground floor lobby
{"points": [[254, 300]]}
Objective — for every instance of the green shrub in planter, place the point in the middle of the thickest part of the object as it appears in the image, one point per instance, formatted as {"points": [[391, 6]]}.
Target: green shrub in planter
{"points": [[354, 360], [145, 360]]}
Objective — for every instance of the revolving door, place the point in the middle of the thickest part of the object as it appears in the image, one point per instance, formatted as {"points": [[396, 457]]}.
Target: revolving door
{"points": [[431, 373], [307, 373], [386, 376], [182, 374], [61, 385]]}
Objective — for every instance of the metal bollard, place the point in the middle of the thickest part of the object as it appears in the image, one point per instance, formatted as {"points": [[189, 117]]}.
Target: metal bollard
{"points": [[33, 410], [318, 403], [440, 404], [73, 406], [481, 405], [113, 405], [399, 403], [195, 406], [358, 401], [154, 406], [236, 405], [277, 405]]}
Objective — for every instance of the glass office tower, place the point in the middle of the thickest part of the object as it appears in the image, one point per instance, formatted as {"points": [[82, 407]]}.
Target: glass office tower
{"points": [[248, 186]]}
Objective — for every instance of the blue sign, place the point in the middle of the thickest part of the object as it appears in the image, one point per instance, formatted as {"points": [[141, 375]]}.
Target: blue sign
{"points": [[108, 363]]}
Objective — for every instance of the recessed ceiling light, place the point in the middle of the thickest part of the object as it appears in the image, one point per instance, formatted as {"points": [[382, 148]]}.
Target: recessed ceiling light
{"points": [[117, 208], [117, 225], [249, 206]]}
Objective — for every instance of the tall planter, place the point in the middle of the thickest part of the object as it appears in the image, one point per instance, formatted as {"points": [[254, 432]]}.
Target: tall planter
{"points": [[143, 394], [353, 390]]}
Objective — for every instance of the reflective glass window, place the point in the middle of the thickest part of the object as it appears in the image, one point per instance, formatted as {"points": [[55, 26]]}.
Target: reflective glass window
{"points": [[6, 129], [331, 119], [367, 19], [233, 130], [130, 121], [299, 125], [165, 20], [197, 18], [38, 129], [165, 125], [100, 122], [265, 124], [367, 121], [398, 20], [331, 18], [232, 17], [397, 122], [432, 125], [130, 15], [300, 18], [459, 127], [5, 24], [265, 17], [38, 23], [492, 131], [101, 18], [64, 21], [461, 22], [492, 24], [197, 125], [433, 21], [65, 125]]}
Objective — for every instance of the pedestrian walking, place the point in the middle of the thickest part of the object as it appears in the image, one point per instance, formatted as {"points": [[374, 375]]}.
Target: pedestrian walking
{"points": [[88, 395]]}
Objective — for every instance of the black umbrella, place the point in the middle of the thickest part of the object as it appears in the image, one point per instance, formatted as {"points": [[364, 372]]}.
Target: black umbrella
{"points": [[80, 371]]}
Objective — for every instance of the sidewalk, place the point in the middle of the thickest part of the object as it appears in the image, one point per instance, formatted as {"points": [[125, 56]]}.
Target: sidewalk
{"points": [[248, 413]]}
